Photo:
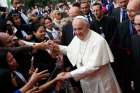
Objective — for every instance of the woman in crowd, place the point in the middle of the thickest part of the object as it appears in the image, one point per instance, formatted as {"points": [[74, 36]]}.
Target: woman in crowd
{"points": [[11, 79]]}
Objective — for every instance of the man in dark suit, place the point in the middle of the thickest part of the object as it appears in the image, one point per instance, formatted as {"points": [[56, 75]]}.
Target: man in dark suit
{"points": [[123, 50], [102, 24], [120, 13], [136, 54], [17, 8], [86, 12]]}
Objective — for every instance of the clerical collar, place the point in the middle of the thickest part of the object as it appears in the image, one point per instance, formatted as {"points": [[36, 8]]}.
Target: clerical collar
{"points": [[99, 19]]}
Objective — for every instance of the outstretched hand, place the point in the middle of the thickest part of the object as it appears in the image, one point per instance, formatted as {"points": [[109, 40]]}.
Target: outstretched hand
{"points": [[36, 76], [54, 48], [63, 76]]}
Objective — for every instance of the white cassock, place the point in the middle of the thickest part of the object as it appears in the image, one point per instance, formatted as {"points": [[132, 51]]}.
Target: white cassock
{"points": [[92, 56]]}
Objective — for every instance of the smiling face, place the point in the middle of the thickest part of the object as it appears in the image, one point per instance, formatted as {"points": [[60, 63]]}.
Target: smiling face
{"points": [[81, 28], [48, 23], [40, 33], [11, 61], [6, 40], [85, 8], [133, 7], [97, 11]]}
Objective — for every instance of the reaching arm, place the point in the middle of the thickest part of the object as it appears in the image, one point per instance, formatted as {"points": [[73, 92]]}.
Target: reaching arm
{"points": [[33, 80]]}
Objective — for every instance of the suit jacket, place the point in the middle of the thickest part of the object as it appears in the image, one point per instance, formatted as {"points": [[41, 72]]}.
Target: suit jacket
{"points": [[24, 27], [108, 25], [136, 50], [116, 14], [136, 60], [90, 18], [124, 36], [67, 34], [13, 12], [122, 43]]}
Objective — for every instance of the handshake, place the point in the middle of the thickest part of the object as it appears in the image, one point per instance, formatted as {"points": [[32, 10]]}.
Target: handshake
{"points": [[53, 48], [50, 46], [63, 76]]}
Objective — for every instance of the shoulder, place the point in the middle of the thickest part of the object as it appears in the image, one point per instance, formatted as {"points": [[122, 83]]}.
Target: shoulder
{"points": [[95, 37], [116, 9], [66, 21]]}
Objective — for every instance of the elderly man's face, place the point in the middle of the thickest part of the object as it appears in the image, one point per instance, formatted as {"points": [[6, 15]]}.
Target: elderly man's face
{"points": [[6, 40], [132, 8], [11, 61], [137, 23], [80, 28]]}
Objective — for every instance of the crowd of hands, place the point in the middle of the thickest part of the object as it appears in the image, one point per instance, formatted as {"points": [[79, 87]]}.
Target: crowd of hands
{"points": [[30, 86]]}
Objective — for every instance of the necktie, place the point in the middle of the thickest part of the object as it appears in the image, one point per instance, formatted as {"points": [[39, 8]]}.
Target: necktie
{"points": [[88, 16], [124, 15], [25, 18], [50, 35]]}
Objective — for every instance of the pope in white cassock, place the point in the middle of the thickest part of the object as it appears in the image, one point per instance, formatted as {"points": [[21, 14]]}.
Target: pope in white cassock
{"points": [[91, 54]]}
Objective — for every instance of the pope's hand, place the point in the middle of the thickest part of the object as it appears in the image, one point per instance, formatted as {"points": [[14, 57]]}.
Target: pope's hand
{"points": [[54, 48], [63, 76]]}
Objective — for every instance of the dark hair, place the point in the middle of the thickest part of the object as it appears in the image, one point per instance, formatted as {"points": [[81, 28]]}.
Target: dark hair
{"points": [[18, 0], [76, 4], [97, 4], [48, 18], [3, 59], [85, 2], [35, 27], [12, 15]]}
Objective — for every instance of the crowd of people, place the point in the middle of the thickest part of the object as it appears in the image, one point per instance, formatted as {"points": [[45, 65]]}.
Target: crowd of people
{"points": [[70, 47]]}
